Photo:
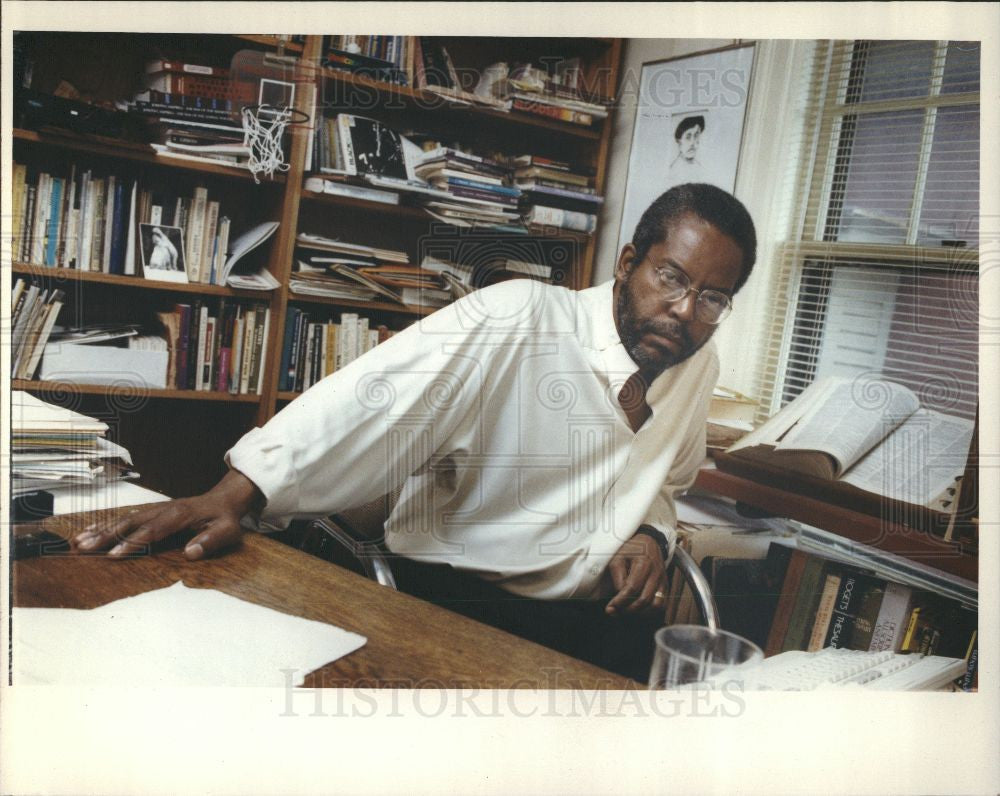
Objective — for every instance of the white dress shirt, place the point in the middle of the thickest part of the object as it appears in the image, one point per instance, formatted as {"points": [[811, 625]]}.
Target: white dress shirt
{"points": [[499, 416]]}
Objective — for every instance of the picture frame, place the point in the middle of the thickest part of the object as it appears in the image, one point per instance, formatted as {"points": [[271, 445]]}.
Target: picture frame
{"points": [[162, 250], [688, 126]]}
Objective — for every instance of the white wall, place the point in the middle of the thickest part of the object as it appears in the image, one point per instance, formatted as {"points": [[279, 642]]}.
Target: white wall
{"points": [[764, 181]]}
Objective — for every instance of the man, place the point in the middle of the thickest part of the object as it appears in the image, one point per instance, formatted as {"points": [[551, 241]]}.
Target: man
{"points": [[686, 167], [539, 436]]}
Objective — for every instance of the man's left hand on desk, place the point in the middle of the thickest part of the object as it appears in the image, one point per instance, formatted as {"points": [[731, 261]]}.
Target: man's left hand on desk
{"points": [[638, 574]]}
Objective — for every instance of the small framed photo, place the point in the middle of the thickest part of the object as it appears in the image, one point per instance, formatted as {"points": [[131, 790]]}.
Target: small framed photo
{"points": [[162, 250]]}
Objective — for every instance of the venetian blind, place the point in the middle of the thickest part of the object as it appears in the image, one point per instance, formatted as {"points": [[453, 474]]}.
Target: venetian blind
{"points": [[880, 274]]}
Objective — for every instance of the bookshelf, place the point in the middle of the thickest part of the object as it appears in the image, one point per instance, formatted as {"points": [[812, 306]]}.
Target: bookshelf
{"points": [[178, 436]]}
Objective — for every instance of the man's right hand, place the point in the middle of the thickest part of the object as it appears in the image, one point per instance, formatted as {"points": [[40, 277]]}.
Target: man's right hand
{"points": [[215, 515]]}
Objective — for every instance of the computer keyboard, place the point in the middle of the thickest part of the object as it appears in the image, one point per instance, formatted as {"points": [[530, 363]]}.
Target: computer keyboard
{"points": [[840, 668]]}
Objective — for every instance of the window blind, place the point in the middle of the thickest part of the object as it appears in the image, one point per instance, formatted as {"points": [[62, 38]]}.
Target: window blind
{"points": [[879, 276]]}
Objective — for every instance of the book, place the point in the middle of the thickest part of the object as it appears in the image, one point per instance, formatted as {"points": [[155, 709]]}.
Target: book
{"points": [[564, 219], [174, 65], [824, 612], [891, 622], [850, 596], [250, 273], [830, 434], [805, 603]]}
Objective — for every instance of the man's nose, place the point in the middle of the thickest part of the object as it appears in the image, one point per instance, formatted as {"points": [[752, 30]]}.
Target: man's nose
{"points": [[683, 308]]}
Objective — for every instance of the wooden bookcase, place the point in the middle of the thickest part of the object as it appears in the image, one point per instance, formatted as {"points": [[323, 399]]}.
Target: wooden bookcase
{"points": [[178, 437]]}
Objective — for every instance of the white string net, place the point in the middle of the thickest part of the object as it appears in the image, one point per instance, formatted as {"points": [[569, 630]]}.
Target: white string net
{"points": [[263, 128]]}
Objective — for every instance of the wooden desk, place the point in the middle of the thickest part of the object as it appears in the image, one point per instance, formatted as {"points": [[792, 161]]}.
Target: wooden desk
{"points": [[411, 643]]}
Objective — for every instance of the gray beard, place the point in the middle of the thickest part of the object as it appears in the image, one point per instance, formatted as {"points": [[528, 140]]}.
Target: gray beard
{"points": [[632, 332]]}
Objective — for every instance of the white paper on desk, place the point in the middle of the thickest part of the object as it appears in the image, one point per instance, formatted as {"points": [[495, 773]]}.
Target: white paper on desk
{"points": [[176, 636]]}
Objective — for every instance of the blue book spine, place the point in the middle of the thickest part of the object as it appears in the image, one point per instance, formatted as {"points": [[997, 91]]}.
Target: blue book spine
{"points": [[55, 215], [485, 186], [118, 230]]}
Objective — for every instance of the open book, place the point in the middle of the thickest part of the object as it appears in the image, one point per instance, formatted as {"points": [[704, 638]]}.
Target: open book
{"points": [[871, 434]]}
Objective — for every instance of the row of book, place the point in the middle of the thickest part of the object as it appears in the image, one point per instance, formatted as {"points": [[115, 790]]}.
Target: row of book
{"points": [[797, 599], [34, 311], [221, 349], [313, 350], [89, 222]]}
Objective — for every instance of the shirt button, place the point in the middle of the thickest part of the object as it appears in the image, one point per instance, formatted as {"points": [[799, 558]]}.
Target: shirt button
{"points": [[595, 570]]}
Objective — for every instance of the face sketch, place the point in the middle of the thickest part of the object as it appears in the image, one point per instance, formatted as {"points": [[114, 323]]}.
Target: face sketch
{"points": [[659, 334], [688, 143]]}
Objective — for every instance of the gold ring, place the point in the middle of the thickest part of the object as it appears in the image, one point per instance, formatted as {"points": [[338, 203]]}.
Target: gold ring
{"points": [[658, 595]]}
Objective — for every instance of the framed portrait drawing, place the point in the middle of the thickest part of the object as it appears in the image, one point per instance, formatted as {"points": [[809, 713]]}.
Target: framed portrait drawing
{"points": [[688, 126]]}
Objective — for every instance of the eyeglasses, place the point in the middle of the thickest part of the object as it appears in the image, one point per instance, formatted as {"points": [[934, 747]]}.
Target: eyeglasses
{"points": [[712, 306]]}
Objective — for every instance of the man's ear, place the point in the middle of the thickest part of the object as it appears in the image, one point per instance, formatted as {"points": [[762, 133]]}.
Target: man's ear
{"points": [[626, 262]]}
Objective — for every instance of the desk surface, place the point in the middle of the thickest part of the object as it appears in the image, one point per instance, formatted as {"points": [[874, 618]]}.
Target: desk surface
{"points": [[411, 643]]}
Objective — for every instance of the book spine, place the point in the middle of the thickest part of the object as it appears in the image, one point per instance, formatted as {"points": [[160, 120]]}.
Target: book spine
{"points": [[54, 221], [19, 174], [199, 371], [109, 220], [256, 350], [209, 238], [99, 198], [221, 250], [346, 147], [890, 626], [42, 195], [553, 112], [262, 354], [864, 622], [116, 264], [250, 316], [824, 613], [236, 363], [194, 232], [30, 200], [298, 353], [564, 219], [330, 359], [222, 349], [842, 618], [310, 363], [183, 337], [193, 345], [286, 349], [68, 246]]}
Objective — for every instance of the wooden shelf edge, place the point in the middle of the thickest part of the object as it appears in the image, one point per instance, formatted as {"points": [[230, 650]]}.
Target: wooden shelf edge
{"points": [[118, 280], [270, 41], [131, 150], [128, 392]]}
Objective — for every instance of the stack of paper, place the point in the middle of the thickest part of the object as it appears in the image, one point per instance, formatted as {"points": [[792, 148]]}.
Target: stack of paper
{"points": [[57, 448], [175, 636]]}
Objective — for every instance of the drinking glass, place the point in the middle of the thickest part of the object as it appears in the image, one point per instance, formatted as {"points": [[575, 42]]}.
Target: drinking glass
{"points": [[687, 654]]}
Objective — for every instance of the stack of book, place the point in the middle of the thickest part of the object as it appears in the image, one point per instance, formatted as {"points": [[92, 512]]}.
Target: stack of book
{"points": [[314, 349], [475, 190], [33, 315], [56, 448], [552, 99], [556, 193], [339, 269], [191, 112], [461, 278], [222, 349]]}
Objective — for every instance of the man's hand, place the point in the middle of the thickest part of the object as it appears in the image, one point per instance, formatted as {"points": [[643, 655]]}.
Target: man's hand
{"points": [[638, 574], [215, 514]]}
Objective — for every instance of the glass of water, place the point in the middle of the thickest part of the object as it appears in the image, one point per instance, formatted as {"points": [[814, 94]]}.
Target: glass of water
{"points": [[687, 654]]}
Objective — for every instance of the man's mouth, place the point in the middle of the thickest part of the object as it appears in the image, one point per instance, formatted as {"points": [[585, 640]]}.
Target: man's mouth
{"points": [[664, 341]]}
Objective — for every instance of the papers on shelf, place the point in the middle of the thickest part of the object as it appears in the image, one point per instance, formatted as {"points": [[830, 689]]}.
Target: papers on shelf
{"points": [[176, 636]]}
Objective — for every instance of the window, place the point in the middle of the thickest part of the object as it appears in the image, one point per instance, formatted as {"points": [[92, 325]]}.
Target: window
{"points": [[881, 274]]}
